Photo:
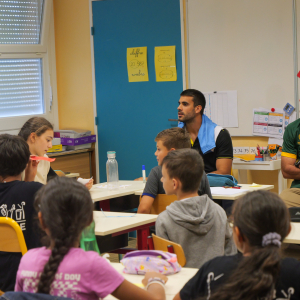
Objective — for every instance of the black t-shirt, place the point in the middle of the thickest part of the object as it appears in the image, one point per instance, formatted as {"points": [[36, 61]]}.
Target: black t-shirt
{"points": [[51, 174], [223, 149], [216, 271], [16, 202]]}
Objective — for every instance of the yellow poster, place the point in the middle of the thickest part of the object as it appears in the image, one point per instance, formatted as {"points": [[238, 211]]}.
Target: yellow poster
{"points": [[137, 64], [165, 63]]}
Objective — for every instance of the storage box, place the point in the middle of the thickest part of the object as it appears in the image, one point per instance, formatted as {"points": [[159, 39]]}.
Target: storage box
{"points": [[78, 141], [73, 134], [57, 148]]}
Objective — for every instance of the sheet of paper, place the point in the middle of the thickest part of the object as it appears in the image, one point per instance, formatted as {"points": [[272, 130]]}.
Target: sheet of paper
{"points": [[268, 123], [223, 191], [275, 141], [221, 108], [137, 64], [165, 63]]}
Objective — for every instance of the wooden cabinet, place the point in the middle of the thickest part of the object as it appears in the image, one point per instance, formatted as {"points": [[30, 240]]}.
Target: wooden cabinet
{"points": [[77, 161]]}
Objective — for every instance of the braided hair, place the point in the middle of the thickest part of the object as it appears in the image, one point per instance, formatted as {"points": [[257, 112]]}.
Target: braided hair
{"points": [[38, 125], [67, 208], [257, 214]]}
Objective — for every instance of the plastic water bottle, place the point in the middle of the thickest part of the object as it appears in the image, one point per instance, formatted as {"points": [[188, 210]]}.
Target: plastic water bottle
{"points": [[88, 240], [112, 171]]}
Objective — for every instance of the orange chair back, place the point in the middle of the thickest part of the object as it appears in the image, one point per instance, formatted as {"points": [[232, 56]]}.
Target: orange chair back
{"points": [[12, 238]]}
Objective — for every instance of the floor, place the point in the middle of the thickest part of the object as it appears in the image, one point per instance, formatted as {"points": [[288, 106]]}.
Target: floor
{"points": [[113, 257]]}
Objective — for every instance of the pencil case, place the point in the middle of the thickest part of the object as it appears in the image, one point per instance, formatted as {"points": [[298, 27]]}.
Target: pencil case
{"points": [[142, 261]]}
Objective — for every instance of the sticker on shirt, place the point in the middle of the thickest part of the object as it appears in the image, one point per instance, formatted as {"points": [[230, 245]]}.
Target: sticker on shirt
{"points": [[15, 212]]}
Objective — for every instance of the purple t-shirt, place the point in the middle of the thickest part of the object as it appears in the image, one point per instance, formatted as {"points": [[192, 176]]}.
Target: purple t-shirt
{"points": [[81, 275]]}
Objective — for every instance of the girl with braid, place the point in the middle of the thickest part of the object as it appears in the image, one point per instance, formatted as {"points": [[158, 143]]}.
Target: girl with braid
{"points": [[65, 208], [260, 223]]}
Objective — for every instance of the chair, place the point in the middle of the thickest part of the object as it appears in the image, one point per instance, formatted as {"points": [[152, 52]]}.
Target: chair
{"points": [[295, 214], [12, 238], [60, 173], [160, 203], [158, 243]]}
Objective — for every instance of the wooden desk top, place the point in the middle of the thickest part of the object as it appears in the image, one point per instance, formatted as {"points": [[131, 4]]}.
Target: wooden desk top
{"points": [[99, 194], [173, 286], [105, 225], [294, 236], [243, 187], [231, 197]]}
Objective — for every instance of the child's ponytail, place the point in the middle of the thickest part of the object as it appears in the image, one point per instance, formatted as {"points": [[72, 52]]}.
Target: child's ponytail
{"points": [[263, 219], [67, 208]]}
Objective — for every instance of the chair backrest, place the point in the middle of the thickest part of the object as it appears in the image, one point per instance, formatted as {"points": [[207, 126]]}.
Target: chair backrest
{"points": [[162, 244], [12, 238], [295, 214], [160, 203]]}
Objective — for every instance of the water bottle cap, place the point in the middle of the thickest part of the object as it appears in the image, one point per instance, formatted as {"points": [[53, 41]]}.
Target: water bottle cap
{"points": [[111, 154], [143, 167]]}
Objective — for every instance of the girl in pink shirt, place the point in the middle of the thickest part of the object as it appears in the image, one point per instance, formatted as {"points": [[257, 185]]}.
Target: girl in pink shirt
{"points": [[65, 209]]}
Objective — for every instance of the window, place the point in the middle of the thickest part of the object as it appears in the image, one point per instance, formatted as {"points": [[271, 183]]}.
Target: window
{"points": [[25, 85]]}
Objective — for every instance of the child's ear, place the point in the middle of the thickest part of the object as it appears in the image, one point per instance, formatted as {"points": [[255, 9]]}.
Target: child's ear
{"points": [[172, 149], [238, 234], [176, 183], [32, 137]]}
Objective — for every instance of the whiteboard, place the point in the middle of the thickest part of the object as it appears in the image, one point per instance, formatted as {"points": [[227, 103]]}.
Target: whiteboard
{"points": [[245, 46]]}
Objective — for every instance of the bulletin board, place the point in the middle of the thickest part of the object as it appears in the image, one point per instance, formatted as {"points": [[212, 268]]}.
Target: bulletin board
{"points": [[245, 46]]}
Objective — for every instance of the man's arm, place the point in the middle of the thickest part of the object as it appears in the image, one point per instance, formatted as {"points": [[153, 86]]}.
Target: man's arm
{"points": [[145, 205], [223, 166], [224, 150], [288, 169]]}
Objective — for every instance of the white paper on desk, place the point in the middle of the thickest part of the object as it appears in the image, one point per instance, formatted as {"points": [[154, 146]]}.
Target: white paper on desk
{"points": [[221, 108], [105, 186], [227, 192]]}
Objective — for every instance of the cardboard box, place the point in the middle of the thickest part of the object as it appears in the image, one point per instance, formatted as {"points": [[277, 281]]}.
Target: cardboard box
{"points": [[73, 134], [78, 141]]}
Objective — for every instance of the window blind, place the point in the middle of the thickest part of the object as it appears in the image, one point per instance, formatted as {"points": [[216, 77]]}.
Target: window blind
{"points": [[20, 21], [21, 89]]}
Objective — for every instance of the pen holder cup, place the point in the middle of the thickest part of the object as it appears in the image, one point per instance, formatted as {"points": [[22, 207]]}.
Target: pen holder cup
{"points": [[266, 157], [259, 158]]}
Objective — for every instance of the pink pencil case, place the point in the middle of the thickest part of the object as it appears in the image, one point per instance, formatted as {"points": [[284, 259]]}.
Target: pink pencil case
{"points": [[142, 261]]}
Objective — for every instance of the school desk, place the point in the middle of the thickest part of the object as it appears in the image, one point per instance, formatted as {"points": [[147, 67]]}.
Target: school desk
{"points": [[117, 223], [232, 197], [99, 192], [173, 286], [294, 235], [273, 165]]}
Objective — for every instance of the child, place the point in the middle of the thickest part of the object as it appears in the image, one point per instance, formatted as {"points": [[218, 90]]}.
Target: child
{"points": [[260, 223], [63, 269], [16, 202], [195, 222], [166, 141], [38, 133]]}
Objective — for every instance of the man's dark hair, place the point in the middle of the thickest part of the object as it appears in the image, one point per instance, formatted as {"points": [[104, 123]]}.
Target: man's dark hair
{"points": [[198, 98], [187, 166], [14, 155]]}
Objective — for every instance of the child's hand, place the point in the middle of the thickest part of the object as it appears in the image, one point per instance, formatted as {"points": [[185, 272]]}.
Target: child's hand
{"points": [[90, 184], [149, 275], [31, 170]]}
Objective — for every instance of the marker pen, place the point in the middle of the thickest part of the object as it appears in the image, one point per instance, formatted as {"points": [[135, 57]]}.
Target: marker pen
{"points": [[144, 173]]}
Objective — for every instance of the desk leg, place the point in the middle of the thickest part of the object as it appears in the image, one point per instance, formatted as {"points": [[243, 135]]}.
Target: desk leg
{"points": [[242, 176], [105, 205], [142, 235], [282, 183]]}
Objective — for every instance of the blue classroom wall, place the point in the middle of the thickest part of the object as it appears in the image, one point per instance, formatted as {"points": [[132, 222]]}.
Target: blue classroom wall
{"points": [[130, 114]]}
